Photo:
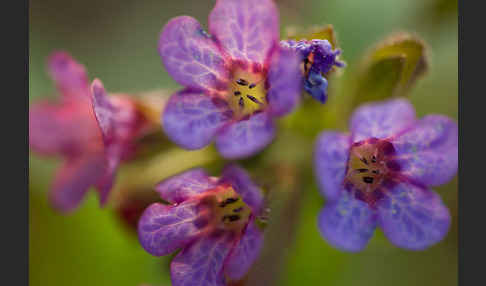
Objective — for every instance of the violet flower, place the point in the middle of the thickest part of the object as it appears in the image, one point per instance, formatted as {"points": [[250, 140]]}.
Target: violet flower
{"points": [[381, 174], [237, 79], [211, 220], [318, 58], [68, 128]]}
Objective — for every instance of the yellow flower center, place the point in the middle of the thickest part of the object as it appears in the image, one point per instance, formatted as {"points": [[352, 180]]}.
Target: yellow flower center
{"points": [[247, 93]]}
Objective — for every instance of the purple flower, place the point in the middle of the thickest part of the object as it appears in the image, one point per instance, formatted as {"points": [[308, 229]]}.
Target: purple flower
{"points": [[381, 174], [68, 128], [318, 59], [211, 220], [237, 79]]}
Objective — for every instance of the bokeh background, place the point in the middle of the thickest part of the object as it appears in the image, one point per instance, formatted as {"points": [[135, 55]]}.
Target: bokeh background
{"points": [[116, 40]]}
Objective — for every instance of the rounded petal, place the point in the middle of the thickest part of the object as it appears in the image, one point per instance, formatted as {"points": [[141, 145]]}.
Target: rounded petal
{"points": [[103, 110], [68, 128], [381, 119], [191, 120], [179, 188], [70, 76], [412, 217], [330, 160], [246, 30], [244, 253], [250, 193], [347, 223], [202, 262], [191, 57], [162, 229], [246, 137], [74, 179], [285, 81], [428, 152]]}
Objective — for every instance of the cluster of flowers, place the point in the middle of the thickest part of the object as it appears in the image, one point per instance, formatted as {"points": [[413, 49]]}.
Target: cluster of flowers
{"points": [[237, 80]]}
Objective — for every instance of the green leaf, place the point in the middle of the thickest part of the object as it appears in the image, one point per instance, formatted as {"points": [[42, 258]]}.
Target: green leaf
{"points": [[391, 68]]}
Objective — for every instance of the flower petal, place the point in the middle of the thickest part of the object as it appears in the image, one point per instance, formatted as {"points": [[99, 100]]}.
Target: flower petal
{"points": [[245, 252], [68, 128], [382, 119], [246, 137], [70, 76], [347, 223], [105, 183], [202, 262], [428, 152], [179, 188], [103, 110], [191, 57], [285, 81], [247, 30], [250, 193], [330, 159], [162, 229], [191, 120], [73, 180], [412, 217]]}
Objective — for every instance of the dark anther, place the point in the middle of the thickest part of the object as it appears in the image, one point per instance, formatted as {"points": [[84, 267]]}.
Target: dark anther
{"points": [[363, 159], [238, 210], [227, 202], [252, 85], [254, 99], [241, 102], [375, 171], [242, 82], [237, 93], [230, 218], [362, 170], [368, 180], [373, 159]]}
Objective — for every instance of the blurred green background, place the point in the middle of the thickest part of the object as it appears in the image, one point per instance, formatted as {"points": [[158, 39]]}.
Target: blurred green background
{"points": [[116, 40]]}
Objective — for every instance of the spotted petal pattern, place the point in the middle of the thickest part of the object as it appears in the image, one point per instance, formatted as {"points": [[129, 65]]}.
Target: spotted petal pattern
{"points": [[331, 157], [201, 264], [191, 57], [162, 229], [412, 217], [180, 187], [244, 186], [428, 152], [381, 120], [347, 223], [247, 30], [73, 180], [245, 253], [246, 137], [191, 120], [70, 76], [285, 82]]}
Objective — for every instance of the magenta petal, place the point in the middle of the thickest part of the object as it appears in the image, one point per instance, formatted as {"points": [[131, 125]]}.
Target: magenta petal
{"points": [[412, 217], [330, 160], [179, 188], [191, 120], [202, 262], [245, 253], [191, 57], [428, 152], [162, 229], [285, 81], [105, 183], [382, 119], [70, 76], [347, 223], [246, 30], [246, 137], [103, 110], [244, 186], [66, 128], [73, 179]]}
